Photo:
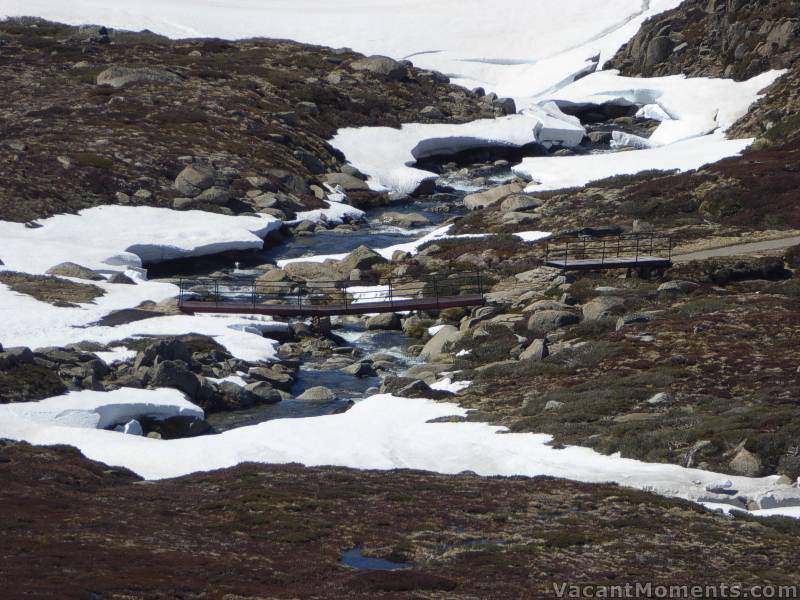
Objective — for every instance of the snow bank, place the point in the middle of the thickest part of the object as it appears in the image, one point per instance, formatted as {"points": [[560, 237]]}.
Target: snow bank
{"points": [[686, 107], [113, 238], [520, 50], [117, 354], [554, 172], [97, 410], [380, 432], [336, 212], [533, 236], [385, 154], [25, 321]]}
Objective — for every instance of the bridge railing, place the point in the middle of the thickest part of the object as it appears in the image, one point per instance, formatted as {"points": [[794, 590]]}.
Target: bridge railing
{"points": [[603, 250], [254, 292]]}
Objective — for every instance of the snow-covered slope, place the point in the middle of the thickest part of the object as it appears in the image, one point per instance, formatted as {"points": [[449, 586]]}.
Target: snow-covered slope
{"points": [[380, 432], [520, 48]]}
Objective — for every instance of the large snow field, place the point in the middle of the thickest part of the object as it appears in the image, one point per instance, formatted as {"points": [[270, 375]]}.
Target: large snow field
{"points": [[543, 42], [552, 173], [381, 432], [385, 154], [694, 114], [117, 238], [689, 107]]}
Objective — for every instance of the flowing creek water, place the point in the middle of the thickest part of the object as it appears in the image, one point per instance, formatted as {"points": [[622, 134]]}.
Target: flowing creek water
{"points": [[389, 346]]}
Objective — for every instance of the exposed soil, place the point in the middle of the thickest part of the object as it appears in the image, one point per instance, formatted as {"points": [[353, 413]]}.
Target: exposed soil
{"points": [[76, 529], [250, 107], [54, 290]]}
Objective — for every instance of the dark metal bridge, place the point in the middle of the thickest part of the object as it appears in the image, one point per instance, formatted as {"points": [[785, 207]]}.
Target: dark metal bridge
{"points": [[628, 251], [328, 298]]}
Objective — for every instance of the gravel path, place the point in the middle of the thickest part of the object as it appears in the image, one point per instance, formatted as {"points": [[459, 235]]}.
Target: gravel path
{"points": [[740, 249]]}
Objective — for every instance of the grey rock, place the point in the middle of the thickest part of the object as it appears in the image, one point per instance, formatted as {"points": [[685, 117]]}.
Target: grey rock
{"points": [[660, 398], [519, 202], [307, 108], [381, 65], [310, 161], [17, 355], [600, 137], [407, 220], [317, 394], [121, 278], [677, 287], [309, 271], [213, 195], [263, 393], [70, 269], [632, 319], [362, 258], [193, 179], [390, 321], [345, 181], [360, 369], [746, 463], [545, 321], [603, 307], [536, 351], [506, 105], [553, 405], [436, 346], [278, 376], [163, 350], [491, 196], [120, 76], [175, 374], [431, 112]]}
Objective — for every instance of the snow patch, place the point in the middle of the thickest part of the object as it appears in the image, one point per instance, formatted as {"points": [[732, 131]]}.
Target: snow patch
{"points": [[114, 238]]}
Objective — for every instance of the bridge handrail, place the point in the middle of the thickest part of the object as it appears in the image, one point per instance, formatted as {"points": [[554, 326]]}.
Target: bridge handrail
{"points": [[603, 249], [328, 292]]}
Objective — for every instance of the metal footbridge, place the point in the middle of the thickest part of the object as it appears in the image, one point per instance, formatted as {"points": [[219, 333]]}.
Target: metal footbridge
{"points": [[329, 298]]}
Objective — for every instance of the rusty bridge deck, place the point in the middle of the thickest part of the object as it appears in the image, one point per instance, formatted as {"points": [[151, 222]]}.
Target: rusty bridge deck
{"points": [[329, 298]]}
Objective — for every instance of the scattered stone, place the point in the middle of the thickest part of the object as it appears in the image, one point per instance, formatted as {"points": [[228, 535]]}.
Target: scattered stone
{"points": [[213, 195], [345, 181], [660, 398], [360, 369], [545, 321], [175, 374], [70, 269], [193, 179], [632, 319], [120, 76], [317, 394], [435, 347], [389, 321], [536, 351], [407, 220], [677, 287], [362, 258], [519, 203], [381, 65], [491, 196], [263, 393], [746, 463], [121, 278], [603, 307]]}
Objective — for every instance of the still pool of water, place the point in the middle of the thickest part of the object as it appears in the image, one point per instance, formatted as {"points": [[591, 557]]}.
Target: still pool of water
{"points": [[354, 558]]}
